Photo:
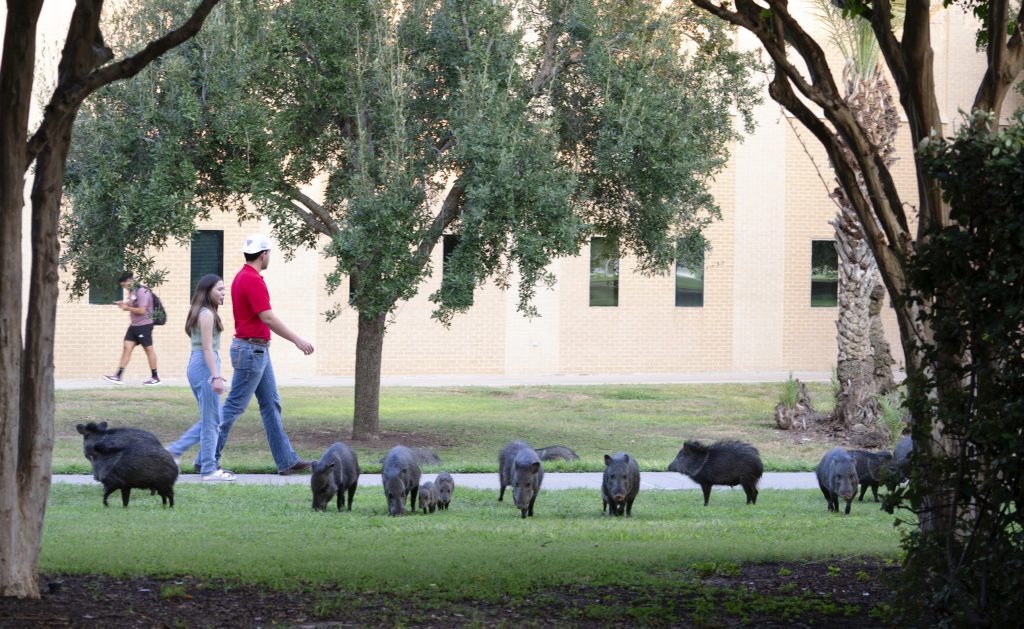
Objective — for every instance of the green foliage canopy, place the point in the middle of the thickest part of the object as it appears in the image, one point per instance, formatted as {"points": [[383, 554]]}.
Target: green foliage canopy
{"points": [[522, 127]]}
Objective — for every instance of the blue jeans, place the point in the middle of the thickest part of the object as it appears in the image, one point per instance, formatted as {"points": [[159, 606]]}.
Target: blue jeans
{"points": [[255, 375], [205, 431]]}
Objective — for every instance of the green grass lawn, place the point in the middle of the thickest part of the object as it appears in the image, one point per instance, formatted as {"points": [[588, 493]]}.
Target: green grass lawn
{"points": [[467, 426], [480, 548]]}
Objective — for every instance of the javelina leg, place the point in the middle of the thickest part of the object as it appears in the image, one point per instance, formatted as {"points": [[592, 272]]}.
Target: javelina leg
{"points": [[340, 501], [412, 503], [529, 511], [351, 493], [170, 498], [863, 490], [501, 491], [707, 493], [848, 503], [126, 493], [106, 492], [874, 491], [828, 497], [751, 492], [629, 507]]}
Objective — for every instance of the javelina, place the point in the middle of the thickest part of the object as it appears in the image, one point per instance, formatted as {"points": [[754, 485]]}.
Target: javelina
{"points": [[129, 458], [837, 478], [93, 433], [519, 466], [901, 456], [620, 484], [421, 456], [722, 463], [871, 469], [401, 477], [444, 484], [337, 472], [428, 497], [557, 453]]}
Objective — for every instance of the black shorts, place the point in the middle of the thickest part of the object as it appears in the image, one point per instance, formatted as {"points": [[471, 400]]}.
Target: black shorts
{"points": [[140, 334]]}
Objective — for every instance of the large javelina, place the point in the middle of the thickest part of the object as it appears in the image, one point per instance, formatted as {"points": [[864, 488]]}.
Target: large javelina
{"points": [[445, 486], [93, 433], [337, 472], [129, 458], [837, 478], [722, 463], [872, 467], [901, 457], [620, 484], [401, 477], [520, 467]]}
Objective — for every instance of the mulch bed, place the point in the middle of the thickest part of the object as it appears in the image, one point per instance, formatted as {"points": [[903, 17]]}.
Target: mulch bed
{"points": [[833, 593]]}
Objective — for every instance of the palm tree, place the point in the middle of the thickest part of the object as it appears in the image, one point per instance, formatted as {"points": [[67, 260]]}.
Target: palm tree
{"points": [[864, 365]]}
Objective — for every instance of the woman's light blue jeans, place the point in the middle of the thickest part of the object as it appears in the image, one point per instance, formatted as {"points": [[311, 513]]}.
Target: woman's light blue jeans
{"points": [[254, 375], [206, 430]]}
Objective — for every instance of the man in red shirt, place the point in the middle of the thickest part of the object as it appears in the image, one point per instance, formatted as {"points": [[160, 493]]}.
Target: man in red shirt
{"points": [[250, 357]]}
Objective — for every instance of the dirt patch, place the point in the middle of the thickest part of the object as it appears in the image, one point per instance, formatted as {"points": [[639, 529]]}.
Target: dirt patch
{"points": [[837, 593]]}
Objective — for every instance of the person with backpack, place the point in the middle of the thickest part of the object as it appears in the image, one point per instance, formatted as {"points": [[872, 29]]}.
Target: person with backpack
{"points": [[139, 306]]}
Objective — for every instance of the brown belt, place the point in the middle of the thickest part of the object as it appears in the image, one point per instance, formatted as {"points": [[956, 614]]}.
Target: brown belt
{"points": [[263, 342]]}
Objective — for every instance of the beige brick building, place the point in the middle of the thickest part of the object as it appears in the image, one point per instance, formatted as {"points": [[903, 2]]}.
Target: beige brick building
{"points": [[756, 313]]}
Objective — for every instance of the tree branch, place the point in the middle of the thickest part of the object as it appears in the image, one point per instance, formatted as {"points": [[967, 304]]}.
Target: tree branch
{"points": [[71, 92], [313, 213], [450, 210]]}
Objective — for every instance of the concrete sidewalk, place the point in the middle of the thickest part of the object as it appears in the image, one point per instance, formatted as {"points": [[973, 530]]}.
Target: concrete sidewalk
{"points": [[459, 380], [666, 481]]}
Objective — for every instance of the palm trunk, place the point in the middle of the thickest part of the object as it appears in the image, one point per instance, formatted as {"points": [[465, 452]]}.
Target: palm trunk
{"points": [[369, 351]]}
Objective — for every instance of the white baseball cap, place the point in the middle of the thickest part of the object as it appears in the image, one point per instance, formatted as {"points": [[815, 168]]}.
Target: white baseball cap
{"points": [[256, 243]]}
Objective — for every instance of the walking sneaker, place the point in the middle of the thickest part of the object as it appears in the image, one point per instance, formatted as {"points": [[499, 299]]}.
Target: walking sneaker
{"points": [[152, 381], [114, 379], [220, 475]]}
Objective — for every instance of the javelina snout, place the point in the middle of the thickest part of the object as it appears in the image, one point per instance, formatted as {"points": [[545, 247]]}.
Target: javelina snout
{"points": [[620, 483], [336, 473]]}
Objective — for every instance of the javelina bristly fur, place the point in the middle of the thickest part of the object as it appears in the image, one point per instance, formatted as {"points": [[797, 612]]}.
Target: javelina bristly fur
{"points": [[837, 478], [520, 467], [445, 486], [721, 463], [428, 497], [401, 478], [872, 468], [336, 473], [620, 484], [557, 453], [129, 458]]}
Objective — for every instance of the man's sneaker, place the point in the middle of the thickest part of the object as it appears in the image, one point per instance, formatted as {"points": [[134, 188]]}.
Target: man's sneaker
{"points": [[198, 468], [114, 379], [298, 467], [220, 475], [152, 381]]}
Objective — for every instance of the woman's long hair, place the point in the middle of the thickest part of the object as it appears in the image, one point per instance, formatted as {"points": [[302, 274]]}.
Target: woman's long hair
{"points": [[201, 299]]}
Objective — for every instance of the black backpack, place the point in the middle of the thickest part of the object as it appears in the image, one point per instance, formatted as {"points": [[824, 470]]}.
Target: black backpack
{"points": [[158, 314]]}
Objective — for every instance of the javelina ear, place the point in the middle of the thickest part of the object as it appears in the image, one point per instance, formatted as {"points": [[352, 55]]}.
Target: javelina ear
{"points": [[535, 466], [102, 426], [607, 460], [331, 465], [82, 429], [626, 458]]}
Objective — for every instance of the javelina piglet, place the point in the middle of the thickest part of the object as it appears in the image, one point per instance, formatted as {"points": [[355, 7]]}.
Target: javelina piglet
{"points": [[721, 463], [428, 497], [871, 469], [129, 459], [444, 484], [336, 473], [620, 484], [520, 467], [401, 478], [837, 478]]}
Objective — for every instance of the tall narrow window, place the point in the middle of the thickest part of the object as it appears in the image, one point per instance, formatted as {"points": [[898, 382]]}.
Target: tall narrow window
{"points": [[604, 272], [101, 293], [207, 255], [450, 284], [689, 280], [448, 246], [824, 274]]}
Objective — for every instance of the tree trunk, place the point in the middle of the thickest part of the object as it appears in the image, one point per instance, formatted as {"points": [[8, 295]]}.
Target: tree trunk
{"points": [[864, 365], [369, 350]]}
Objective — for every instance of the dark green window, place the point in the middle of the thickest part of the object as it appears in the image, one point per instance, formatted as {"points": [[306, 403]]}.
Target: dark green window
{"points": [[448, 245], [207, 255], [105, 293], [604, 272], [690, 281], [824, 274]]}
